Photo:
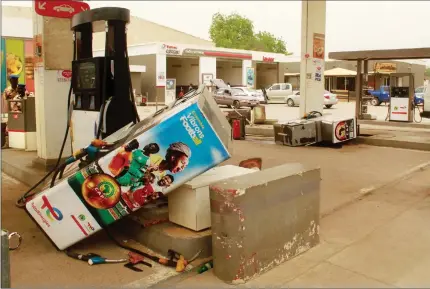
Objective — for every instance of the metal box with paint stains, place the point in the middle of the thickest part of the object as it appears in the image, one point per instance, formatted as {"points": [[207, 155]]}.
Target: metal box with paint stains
{"points": [[262, 219], [297, 133]]}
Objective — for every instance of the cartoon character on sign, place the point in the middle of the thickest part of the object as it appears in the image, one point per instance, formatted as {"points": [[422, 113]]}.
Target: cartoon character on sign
{"points": [[341, 131]]}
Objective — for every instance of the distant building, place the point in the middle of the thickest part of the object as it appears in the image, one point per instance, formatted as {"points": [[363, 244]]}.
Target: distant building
{"points": [[340, 75]]}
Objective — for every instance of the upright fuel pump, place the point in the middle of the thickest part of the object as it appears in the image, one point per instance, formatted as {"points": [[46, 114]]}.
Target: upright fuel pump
{"points": [[103, 94], [401, 106]]}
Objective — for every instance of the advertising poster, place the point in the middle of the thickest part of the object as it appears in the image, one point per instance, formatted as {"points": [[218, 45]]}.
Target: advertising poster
{"points": [[15, 58], [250, 76], [170, 90], [318, 66], [319, 46], [3, 64], [149, 166], [29, 66]]}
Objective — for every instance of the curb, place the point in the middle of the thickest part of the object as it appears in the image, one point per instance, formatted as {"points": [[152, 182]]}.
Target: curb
{"points": [[391, 124], [393, 143], [261, 131], [370, 190], [268, 132]]}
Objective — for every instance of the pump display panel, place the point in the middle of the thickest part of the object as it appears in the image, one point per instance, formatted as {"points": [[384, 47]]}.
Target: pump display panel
{"points": [[86, 75]]}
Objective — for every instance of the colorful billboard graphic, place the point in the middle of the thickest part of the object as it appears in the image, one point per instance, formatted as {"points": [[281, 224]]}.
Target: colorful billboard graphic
{"points": [[29, 66], [15, 58], [159, 160], [3, 64]]}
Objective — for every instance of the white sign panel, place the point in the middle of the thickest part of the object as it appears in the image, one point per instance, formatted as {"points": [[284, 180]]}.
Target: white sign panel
{"points": [[399, 108], [62, 215], [64, 75]]}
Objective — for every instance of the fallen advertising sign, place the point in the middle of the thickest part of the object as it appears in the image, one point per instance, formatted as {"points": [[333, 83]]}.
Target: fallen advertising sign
{"points": [[179, 145], [60, 9]]}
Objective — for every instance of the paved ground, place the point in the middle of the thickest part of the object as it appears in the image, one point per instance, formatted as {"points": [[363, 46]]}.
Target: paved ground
{"points": [[347, 173], [380, 241], [38, 264]]}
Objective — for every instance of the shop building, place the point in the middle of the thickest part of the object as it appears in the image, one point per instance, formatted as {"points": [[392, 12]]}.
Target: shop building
{"points": [[158, 53], [196, 64]]}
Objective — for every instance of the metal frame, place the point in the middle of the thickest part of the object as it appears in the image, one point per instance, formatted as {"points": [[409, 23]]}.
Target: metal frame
{"points": [[362, 58]]}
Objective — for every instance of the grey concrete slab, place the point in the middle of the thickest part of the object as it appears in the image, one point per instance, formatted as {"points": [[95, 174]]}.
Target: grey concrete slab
{"points": [[262, 219], [326, 275]]}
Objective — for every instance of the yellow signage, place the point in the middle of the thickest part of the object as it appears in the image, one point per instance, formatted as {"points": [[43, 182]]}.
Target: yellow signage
{"points": [[381, 67]]}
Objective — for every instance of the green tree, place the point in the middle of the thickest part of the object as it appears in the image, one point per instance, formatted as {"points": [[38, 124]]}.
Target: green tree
{"points": [[232, 31], [427, 73], [266, 41], [236, 31]]}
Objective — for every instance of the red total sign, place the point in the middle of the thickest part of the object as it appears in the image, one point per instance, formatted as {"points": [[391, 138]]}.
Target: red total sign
{"points": [[60, 9]]}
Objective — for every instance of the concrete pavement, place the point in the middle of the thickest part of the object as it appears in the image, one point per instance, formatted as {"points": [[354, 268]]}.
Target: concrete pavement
{"points": [[380, 241], [347, 174]]}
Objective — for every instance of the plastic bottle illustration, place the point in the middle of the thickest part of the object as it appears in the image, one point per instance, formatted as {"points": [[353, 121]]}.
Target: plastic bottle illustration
{"points": [[206, 267]]}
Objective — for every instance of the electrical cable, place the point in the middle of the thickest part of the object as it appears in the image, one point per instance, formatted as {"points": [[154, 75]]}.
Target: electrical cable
{"points": [[21, 201], [104, 90]]}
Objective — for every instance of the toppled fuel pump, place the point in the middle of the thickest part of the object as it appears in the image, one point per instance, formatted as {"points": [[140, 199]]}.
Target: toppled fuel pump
{"points": [[315, 128], [141, 161]]}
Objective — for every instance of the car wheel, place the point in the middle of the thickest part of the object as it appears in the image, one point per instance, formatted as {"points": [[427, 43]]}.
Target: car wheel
{"points": [[290, 102], [236, 104], [375, 101], [328, 105]]}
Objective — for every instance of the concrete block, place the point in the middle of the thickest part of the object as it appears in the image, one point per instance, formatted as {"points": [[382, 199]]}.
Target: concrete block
{"points": [[141, 227], [262, 219]]}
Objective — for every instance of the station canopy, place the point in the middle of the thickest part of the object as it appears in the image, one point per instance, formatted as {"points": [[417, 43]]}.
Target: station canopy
{"points": [[340, 72], [391, 54]]}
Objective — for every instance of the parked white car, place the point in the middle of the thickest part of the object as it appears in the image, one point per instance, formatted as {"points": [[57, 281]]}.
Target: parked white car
{"points": [[277, 92], [253, 93], [330, 99]]}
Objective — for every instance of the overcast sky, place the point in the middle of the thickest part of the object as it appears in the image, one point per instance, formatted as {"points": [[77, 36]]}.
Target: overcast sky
{"points": [[351, 25]]}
